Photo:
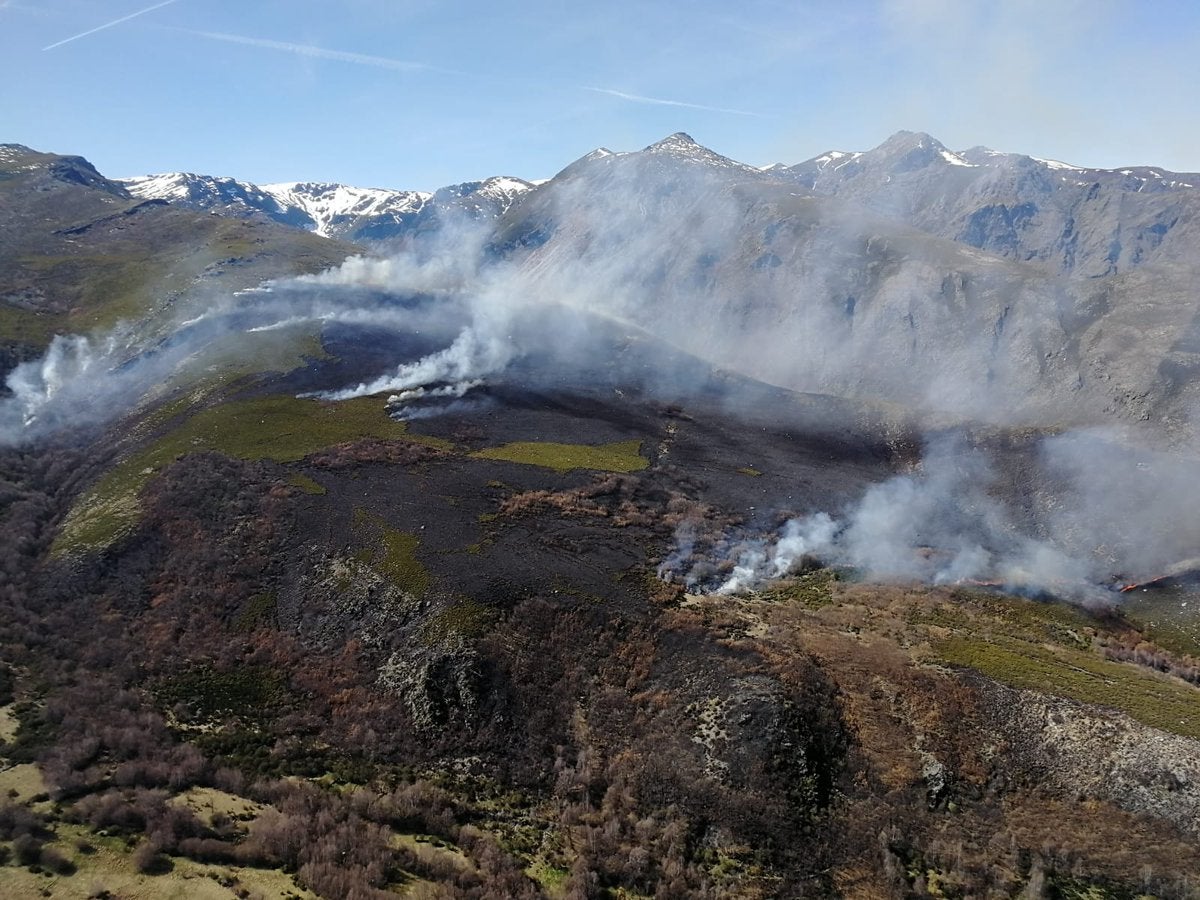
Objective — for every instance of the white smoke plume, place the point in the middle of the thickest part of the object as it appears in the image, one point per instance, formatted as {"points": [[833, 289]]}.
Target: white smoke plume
{"points": [[479, 350], [70, 361], [1100, 513], [82, 381]]}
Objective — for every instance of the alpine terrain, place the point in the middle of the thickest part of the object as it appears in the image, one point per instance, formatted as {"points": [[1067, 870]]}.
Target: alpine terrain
{"points": [[670, 528]]}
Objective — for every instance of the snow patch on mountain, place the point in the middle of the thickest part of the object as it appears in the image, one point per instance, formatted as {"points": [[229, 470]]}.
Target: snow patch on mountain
{"points": [[333, 210], [203, 191], [330, 205], [1056, 164], [505, 190], [680, 146], [835, 159], [955, 160]]}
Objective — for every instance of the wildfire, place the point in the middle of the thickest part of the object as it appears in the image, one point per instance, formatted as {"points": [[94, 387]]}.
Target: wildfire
{"points": [[1187, 570]]}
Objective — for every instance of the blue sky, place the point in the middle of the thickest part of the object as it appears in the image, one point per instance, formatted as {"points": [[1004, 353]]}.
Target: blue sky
{"points": [[419, 93]]}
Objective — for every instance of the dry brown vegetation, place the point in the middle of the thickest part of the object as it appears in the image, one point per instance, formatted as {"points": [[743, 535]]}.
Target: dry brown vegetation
{"points": [[203, 695]]}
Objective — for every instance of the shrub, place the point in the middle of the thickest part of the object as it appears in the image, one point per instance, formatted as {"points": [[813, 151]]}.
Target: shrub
{"points": [[149, 860], [52, 860]]}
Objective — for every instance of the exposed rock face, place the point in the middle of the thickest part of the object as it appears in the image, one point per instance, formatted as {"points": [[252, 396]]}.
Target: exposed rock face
{"points": [[910, 274], [363, 215], [1074, 220], [1104, 754]]}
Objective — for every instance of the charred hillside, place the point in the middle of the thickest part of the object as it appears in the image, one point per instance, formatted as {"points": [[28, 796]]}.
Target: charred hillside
{"points": [[605, 549]]}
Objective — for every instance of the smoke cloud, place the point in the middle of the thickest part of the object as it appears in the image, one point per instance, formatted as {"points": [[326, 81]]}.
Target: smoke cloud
{"points": [[948, 522]]}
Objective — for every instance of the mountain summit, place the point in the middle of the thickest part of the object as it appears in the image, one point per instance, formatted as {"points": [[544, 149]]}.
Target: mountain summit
{"points": [[1074, 220], [682, 147]]}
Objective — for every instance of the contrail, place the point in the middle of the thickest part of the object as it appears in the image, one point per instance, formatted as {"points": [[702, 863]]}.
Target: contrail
{"points": [[134, 15], [637, 98], [362, 59]]}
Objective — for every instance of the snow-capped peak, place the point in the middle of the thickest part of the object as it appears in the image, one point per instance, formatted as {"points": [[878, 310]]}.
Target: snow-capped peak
{"points": [[204, 192], [331, 204], [1056, 164], [332, 210], [682, 147], [835, 159]]}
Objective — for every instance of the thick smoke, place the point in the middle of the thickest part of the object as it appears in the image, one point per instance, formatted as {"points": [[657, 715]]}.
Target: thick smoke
{"points": [[478, 351], [81, 381], [946, 523]]}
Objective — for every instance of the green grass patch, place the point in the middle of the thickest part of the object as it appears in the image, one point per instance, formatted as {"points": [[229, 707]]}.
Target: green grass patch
{"points": [[622, 456], [465, 618], [24, 326], [102, 288], [259, 612], [811, 589], [305, 484], [108, 870], [1168, 617], [394, 554], [1029, 620], [21, 784], [1153, 700], [280, 350], [1068, 887], [552, 879], [282, 428]]}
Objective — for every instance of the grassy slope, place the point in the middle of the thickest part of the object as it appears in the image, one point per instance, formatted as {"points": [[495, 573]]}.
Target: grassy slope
{"points": [[109, 866], [80, 257], [621, 456], [1155, 700], [1044, 647], [394, 554], [281, 428]]}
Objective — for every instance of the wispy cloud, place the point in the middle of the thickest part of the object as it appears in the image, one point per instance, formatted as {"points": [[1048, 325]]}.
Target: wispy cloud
{"points": [[132, 15], [360, 59], [657, 101]]}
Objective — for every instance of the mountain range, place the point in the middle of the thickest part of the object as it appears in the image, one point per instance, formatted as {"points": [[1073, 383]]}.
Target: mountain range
{"points": [[1051, 291], [362, 215], [1075, 219]]}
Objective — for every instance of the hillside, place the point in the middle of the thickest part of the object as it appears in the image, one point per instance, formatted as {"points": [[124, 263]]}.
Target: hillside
{"points": [[79, 253], [680, 533]]}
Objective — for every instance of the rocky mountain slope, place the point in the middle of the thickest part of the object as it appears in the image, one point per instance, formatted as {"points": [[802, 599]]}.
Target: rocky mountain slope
{"points": [[360, 215], [865, 280], [79, 252], [1074, 220]]}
